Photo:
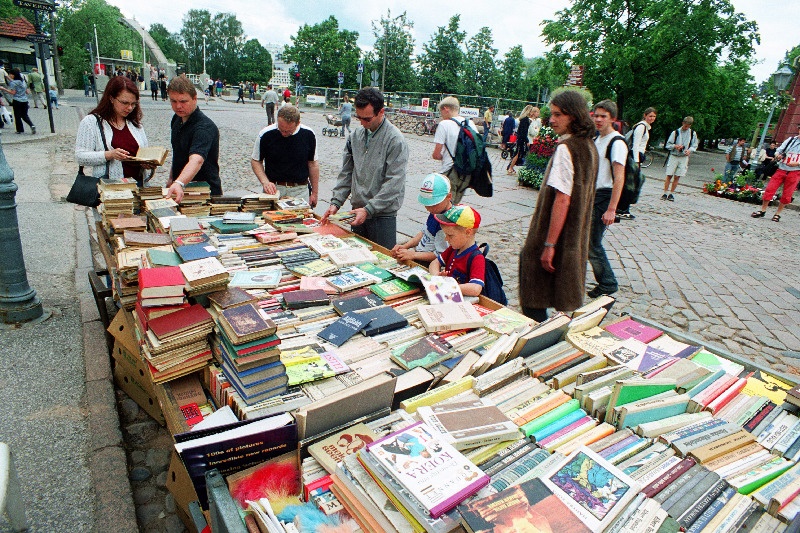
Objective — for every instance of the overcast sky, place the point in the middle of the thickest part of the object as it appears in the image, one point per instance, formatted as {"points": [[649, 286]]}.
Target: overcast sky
{"points": [[276, 21]]}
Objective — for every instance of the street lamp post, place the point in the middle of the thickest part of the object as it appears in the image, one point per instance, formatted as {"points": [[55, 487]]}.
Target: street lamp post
{"points": [[780, 80], [204, 53]]}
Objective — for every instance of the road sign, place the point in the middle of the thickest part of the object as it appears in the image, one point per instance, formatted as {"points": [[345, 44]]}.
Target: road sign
{"points": [[359, 77], [341, 78], [374, 76], [41, 5], [360, 68], [38, 38]]}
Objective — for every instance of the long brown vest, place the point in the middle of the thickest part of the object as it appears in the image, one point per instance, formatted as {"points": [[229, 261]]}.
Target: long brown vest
{"points": [[564, 288]]}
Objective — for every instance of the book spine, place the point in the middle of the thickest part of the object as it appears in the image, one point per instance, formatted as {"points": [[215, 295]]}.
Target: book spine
{"points": [[512, 473], [693, 493], [699, 506], [549, 417], [505, 452], [766, 420], [593, 435], [557, 426], [621, 445], [504, 463], [538, 407], [610, 440], [627, 453], [577, 429], [778, 431], [671, 494], [438, 394], [692, 429], [666, 425], [671, 475], [684, 446], [622, 520], [722, 446], [655, 469], [787, 440], [711, 511]]}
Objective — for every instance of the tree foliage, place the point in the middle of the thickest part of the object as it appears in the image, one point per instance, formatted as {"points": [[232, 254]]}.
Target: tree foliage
{"points": [[170, 43], [481, 76], [442, 59], [255, 63], [322, 51], [394, 46], [75, 27], [512, 74], [224, 41], [663, 53]]}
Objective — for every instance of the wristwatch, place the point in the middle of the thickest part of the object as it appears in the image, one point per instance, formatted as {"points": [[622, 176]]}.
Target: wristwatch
{"points": [[182, 184]]}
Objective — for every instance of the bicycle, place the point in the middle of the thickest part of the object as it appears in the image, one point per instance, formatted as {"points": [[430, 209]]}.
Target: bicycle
{"points": [[426, 127]]}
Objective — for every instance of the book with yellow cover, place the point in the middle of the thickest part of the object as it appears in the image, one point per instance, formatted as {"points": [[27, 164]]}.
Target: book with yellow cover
{"points": [[154, 155]]}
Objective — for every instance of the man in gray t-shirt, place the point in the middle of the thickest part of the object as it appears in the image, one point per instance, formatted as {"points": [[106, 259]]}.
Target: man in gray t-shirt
{"points": [[268, 101]]}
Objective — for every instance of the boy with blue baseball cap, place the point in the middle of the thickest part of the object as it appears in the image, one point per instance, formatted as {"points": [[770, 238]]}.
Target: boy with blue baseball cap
{"points": [[435, 196]]}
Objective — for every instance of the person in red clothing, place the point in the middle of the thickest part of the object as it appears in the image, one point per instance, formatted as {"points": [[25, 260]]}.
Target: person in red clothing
{"points": [[460, 224], [287, 93]]}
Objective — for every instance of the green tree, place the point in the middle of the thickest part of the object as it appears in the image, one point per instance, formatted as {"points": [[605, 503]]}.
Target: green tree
{"points": [[543, 75], [513, 74], [636, 49], [170, 43], [322, 51], [394, 46], [255, 63], [442, 59], [75, 27], [8, 10], [481, 74]]}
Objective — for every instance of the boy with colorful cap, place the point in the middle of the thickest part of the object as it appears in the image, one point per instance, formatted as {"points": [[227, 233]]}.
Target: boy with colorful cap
{"points": [[435, 195], [459, 225]]}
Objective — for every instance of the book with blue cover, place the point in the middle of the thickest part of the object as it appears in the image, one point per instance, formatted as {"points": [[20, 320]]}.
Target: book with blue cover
{"points": [[343, 329], [192, 252], [383, 319]]}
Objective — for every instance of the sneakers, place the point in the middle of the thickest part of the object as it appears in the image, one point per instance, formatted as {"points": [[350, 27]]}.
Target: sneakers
{"points": [[33, 130], [626, 216], [671, 198], [599, 291], [664, 196]]}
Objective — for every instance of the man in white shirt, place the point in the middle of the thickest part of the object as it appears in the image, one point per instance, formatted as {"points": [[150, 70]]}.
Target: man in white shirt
{"points": [[608, 189], [268, 101], [446, 138], [733, 156], [681, 143]]}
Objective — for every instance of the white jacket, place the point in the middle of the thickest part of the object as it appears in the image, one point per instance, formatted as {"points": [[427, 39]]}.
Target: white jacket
{"points": [[89, 151]]}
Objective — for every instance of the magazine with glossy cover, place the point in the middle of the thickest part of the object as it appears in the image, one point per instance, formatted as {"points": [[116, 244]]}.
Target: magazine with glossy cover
{"points": [[434, 472]]}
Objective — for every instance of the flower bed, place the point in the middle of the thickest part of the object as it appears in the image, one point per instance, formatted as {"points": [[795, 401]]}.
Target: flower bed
{"points": [[540, 151], [743, 188]]}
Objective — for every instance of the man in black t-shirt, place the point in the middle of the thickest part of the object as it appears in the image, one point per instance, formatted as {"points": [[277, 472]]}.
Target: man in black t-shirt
{"points": [[285, 157], [195, 142]]}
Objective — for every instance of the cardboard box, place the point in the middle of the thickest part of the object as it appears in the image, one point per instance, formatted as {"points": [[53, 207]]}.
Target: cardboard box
{"points": [[138, 390], [179, 484]]}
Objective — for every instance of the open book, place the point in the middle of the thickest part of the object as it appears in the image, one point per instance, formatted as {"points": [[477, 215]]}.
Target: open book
{"points": [[155, 155]]}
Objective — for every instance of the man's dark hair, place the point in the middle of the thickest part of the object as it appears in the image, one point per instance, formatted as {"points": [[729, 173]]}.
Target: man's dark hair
{"points": [[573, 103], [369, 96]]}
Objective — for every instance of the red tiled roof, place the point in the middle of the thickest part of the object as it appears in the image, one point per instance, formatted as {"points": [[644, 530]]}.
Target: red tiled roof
{"points": [[18, 28]]}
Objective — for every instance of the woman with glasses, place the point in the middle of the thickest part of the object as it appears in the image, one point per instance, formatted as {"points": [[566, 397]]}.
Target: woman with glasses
{"points": [[112, 133]]}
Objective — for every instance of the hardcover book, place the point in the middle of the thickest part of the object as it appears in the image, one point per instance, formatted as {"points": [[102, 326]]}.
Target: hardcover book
{"points": [[161, 282], [433, 471], [163, 256], [343, 329], [522, 507], [383, 319], [273, 237], [318, 267], [324, 244], [180, 321], [347, 305], [541, 337], [245, 323], [393, 289], [230, 297], [145, 240], [449, 316], [380, 273], [302, 299], [153, 155], [426, 352], [256, 279], [203, 271], [591, 487], [228, 228]]}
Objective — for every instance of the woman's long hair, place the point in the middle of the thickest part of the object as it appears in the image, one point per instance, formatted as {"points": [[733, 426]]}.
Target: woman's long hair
{"points": [[116, 85], [573, 103]]}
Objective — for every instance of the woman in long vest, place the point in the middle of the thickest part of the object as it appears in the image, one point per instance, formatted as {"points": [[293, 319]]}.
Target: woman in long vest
{"points": [[552, 266]]}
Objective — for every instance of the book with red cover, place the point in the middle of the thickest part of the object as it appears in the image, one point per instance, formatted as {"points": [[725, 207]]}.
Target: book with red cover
{"points": [[180, 321], [160, 282], [148, 313], [301, 299], [630, 329]]}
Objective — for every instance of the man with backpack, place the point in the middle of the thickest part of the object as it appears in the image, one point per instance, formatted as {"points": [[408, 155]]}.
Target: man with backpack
{"points": [[680, 144], [446, 139], [613, 153]]}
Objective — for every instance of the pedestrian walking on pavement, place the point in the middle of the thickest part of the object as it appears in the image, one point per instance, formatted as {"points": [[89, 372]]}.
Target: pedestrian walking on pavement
{"points": [[19, 100], [36, 85], [639, 137], [680, 144]]}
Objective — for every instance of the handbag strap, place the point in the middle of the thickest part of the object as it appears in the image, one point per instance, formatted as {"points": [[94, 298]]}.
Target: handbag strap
{"points": [[103, 136]]}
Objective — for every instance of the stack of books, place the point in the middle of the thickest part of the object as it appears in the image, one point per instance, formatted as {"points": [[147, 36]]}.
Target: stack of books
{"points": [[161, 286], [176, 344], [204, 276], [249, 353], [132, 223], [116, 199], [195, 199], [257, 203]]}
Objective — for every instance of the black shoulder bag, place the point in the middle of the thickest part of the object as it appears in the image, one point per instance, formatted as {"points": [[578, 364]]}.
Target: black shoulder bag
{"points": [[84, 190]]}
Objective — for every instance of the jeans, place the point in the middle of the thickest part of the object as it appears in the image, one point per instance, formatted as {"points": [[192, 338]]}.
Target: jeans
{"points": [[486, 130], [730, 170], [381, 230], [603, 273], [345, 123]]}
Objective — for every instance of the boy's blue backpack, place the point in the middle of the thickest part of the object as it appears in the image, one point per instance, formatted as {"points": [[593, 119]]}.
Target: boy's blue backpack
{"points": [[493, 281]]}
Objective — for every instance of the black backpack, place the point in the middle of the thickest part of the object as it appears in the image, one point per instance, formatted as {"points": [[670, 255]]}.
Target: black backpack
{"points": [[634, 179], [493, 281], [471, 159]]}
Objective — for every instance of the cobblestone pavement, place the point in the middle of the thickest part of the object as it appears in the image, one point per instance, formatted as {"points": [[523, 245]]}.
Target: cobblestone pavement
{"points": [[699, 264]]}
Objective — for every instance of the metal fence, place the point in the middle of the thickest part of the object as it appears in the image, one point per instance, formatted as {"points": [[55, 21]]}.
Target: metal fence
{"points": [[406, 110]]}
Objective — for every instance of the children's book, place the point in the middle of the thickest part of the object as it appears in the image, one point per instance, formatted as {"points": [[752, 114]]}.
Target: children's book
{"points": [[442, 289], [506, 321]]}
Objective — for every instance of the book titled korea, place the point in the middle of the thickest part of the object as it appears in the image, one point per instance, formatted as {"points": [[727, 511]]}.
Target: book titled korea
{"points": [[433, 471]]}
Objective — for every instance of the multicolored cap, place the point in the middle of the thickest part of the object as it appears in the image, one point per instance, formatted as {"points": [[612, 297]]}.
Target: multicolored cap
{"points": [[434, 189], [460, 215]]}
